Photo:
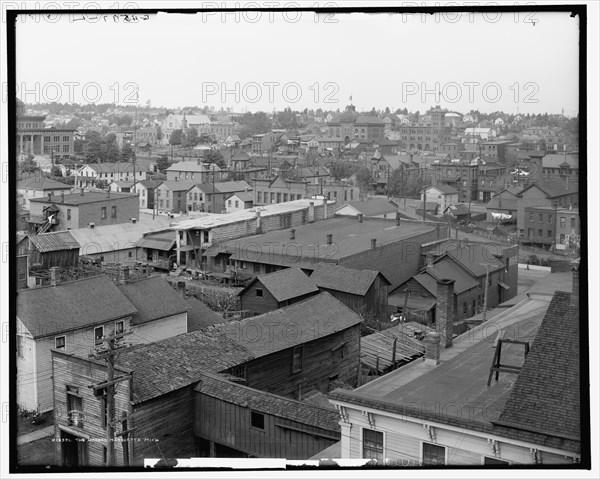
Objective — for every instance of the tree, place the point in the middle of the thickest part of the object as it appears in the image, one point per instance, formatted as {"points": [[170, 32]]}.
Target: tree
{"points": [[363, 178], [101, 184], [214, 156], [127, 153], [163, 163], [56, 171], [176, 138], [342, 169], [190, 138]]}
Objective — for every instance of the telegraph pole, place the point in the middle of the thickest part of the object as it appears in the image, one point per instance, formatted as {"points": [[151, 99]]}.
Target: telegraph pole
{"points": [[485, 292], [108, 386]]}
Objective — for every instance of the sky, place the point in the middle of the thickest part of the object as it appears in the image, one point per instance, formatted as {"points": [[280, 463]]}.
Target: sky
{"points": [[514, 62]]}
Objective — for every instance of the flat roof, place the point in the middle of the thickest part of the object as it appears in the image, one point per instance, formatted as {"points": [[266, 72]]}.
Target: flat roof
{"points": [[457, 387], [88, 197], [349, 237]]}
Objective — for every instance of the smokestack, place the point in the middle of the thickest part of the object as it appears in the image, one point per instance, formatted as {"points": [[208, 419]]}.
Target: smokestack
{"points": [[292, 234], [311, 212], [432, 348], [575, 291], [329, 239], [258, 223], [360, 217], [54, 275], [373, 243], [444, 315]]}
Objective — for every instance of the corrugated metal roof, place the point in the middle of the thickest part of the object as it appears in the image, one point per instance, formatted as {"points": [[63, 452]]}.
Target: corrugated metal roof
{"points": [[55, 241]]}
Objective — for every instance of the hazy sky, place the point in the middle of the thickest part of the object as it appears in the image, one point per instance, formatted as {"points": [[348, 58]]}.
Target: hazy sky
{"points": [[512, 62]]}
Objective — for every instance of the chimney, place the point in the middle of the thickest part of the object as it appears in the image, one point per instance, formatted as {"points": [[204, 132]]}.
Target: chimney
{"points": [[133, 220], [397, 218], [62, 196], [292, 234], [373, 243], [575, 291], [444, 314], [258, 223], [324, 208], [49, 196], [91, 225], [429, 260], [198, 161], [81, 191], [360, 217], [329, 238], [311, 212], [54, 275], [432, 348], [108, 193]]}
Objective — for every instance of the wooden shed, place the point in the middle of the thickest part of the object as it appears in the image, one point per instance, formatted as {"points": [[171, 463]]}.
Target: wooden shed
{"points": [[50, 249]]}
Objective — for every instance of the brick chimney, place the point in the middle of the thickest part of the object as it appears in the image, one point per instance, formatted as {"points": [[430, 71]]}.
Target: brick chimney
{"points": [[360, 217], [62, 196], [329, 238], [429, 260], [292, 234], [575, 290], [258, 223], [397, 218], [373, 243], [49, 196], [54, 275], [432, 348], [444, 314]]}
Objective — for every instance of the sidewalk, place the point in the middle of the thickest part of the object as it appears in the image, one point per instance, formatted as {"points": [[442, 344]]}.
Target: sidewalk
{"points": [[35, 435]]}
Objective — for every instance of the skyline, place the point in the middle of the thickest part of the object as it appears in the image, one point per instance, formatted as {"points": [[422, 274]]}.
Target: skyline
{"points": [[466, 62]]}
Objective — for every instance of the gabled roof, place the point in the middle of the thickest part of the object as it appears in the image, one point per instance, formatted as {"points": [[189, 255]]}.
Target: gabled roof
{"points": [[553, 188], [546, 395], [268, 403], [445, 189], [86, 198], [499, 203], [178, 185], [56, 241], [232, 186], [188, 166], [339, 278], [200, 316], [457, 210], [149, 184], [50, 310], [474, 256], [244, 196], [557, 160], [118, 167], [285, 284], [372, 207], [449, 269], [313, 318], [154, 298]]}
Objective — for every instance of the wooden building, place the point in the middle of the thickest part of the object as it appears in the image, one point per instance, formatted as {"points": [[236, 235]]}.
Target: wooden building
{"points": [[232, 420], [50, 249], [360, 290], [312, 344], [275, 290]]}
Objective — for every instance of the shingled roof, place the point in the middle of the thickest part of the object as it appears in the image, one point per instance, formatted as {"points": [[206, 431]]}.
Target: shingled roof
{"points": [[55, 241], [154, 299], [49, 310], [302, 322], [200, 316], [545, 397], [339, 278], [285, 284], [267, 403]]}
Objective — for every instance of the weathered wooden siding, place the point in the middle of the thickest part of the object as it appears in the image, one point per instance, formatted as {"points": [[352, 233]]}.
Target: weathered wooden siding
{"points": [[229, 424], [158, 329], [249, 301], [165, 427], [273, 373], [80, 342], [26, 385], [80, 373]]}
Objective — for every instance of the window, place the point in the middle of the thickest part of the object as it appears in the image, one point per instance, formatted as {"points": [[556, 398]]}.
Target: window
{"points": [[563, 222], [103, 212], [65, 138], [530, 233], [20, 346], [257, 420], [491, 461], [229, 203], [259, 292], [531, 217], [113, 211], [239, 372], [433, 455], [104, 454], [465, 308], [98, 334], [372, 445], [256, 268], [237, 203], [65, 148], [57, 138], [195, 196], [297, 359], [60, 342], [573, 221], [549, 218], [119, 327], [74, 399], [259, 196], [549, 233], [68, 214], [540, 233], [562, 238]]}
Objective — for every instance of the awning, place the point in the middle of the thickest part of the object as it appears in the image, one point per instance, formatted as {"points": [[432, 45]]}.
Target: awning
{"points": [[503, 285], [155, 243]]}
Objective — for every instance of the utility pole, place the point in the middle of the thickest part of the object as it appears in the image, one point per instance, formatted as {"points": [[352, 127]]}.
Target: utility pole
{"points": [[485, 292], [108, 387]]}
